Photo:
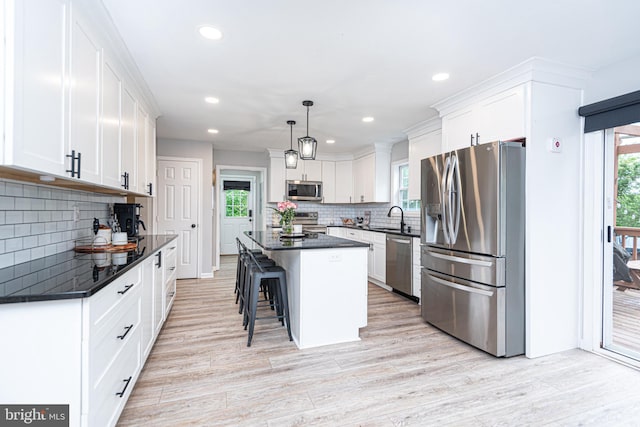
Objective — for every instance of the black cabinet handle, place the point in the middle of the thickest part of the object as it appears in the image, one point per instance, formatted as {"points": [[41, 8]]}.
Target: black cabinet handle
{"points": [[159, 263], [477, 138], [121, 393], [126, 289], [126, 331], [79, 163], [471, 140], [125, 177], [150, 185], [73, 158]]}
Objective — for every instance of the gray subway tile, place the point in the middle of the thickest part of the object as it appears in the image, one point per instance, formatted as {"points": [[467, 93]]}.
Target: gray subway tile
{"points": [[13, 217], [37, 204], [22, 230], [13, 245], [6, 231], [7, 203], [30, 216], [23, 203], [37, 228], [44, 216], [22, 256], [14, 189], [37, 253]]}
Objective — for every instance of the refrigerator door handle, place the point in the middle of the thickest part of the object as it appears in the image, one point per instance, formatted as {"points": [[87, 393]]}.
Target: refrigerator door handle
{"points": [[453, 198], [465, 288], [461, 260], [445, 199]]}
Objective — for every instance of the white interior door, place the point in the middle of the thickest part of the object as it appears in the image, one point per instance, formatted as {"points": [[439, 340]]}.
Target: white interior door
{"points": [[237, 202], [178, 201]]}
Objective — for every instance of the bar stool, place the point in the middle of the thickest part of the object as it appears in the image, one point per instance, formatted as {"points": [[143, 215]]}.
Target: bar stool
{"points": [[276, 281], [243, 271], [242, 249]]}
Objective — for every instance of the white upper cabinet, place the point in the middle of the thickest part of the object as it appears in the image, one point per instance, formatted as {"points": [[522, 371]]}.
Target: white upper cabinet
{"points": [[35, 114], [110, 125], [328, 181], [141, 157], [372, 177], [65, 110], [129, 148], [84, 107], [276, 180], [306, 170], [496, 118], [150, 189], [424, 142], [344, 181]]}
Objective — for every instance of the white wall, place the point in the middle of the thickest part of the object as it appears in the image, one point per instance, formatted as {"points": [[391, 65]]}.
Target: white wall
{"points": [[400, 151], [241, 158], [553, 222], [615, 80], [197, 150]]}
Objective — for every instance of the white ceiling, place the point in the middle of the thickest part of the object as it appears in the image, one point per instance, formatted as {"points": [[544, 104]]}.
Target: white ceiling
{"points": [[353, 58]]}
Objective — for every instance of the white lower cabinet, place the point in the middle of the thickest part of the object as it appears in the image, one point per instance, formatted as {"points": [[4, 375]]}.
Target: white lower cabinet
{"points": [[90, 351], [170, 274]]}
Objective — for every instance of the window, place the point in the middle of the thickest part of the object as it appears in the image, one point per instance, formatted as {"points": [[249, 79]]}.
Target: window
{"points": [[401, 174], [236, 203]]}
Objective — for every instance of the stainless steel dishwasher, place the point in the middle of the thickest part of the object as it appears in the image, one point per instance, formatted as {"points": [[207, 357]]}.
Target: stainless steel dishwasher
{"points": [[399, 263]]}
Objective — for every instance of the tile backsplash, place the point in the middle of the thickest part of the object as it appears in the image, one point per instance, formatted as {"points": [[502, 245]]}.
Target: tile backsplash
{"points": [[38, 220], [329, 214]]}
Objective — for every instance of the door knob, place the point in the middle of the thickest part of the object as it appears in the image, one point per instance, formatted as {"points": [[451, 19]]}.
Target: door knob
{"points": [[193, 226]]}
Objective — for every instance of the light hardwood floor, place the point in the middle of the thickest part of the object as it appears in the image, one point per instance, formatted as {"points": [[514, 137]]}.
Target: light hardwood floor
{"points": [[402, 373]]}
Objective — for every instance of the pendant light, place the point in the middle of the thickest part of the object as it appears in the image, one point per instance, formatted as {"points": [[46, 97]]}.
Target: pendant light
{"points": [[307, 144], [291, 155]]}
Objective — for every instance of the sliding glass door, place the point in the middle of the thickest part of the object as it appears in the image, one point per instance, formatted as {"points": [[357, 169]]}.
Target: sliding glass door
{"points": [[621, 278]]}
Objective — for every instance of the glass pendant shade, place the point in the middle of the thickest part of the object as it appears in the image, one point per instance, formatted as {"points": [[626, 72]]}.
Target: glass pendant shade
{"points": [[291, 155], [291, 159], [307, 144]]}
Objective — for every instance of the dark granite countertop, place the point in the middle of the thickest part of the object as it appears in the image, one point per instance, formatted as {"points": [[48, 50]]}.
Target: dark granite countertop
{"points": [[72, 275], [272, 241], [378, 230]]}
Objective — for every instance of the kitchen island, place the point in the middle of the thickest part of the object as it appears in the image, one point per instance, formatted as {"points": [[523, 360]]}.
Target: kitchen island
{"points": [[326, 285]]}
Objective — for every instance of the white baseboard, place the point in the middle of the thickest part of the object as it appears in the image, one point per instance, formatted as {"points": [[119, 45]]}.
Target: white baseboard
{"points": [[206, 275]]}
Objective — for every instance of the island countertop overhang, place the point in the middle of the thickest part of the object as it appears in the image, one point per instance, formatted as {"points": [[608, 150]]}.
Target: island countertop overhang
{"points": [[272, 241]]}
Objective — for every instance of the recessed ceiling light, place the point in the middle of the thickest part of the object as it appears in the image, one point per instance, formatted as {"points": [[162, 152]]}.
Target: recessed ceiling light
{"points": [[210, 33], [331, 141], [211, 100], [367, 119], [440, 77], [212, 130]]}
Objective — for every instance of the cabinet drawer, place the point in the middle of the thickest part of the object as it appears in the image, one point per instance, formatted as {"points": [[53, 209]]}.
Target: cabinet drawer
{"points": [[112, 336], [106, 300], [353, 234], [169, 294], [380, 238], [108, 396], [170, 260]]}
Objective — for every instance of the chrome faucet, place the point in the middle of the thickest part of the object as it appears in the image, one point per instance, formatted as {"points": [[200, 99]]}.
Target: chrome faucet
{"points": [[401, 217]]}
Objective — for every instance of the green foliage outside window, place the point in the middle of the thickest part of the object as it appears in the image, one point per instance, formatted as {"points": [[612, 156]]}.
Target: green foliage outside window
{"points": [[628, 197], [236, 203], [403, 191]]}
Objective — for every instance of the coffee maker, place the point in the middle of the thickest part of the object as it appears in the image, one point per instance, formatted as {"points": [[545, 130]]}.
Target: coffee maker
{"points": [[128, 215]]}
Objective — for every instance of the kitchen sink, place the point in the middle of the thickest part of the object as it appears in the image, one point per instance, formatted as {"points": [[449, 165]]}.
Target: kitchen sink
{"points": [[393, 230]]}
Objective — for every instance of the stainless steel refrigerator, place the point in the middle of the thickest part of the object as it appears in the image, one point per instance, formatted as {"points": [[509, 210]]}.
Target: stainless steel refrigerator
{"points": [[472, 245]]}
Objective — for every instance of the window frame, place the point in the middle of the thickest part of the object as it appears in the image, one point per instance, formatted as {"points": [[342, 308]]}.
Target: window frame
{"points": [[395, 189]]}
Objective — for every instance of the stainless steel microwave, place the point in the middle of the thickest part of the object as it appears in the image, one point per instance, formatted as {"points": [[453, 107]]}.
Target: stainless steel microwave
{"points": [[304, 190]]}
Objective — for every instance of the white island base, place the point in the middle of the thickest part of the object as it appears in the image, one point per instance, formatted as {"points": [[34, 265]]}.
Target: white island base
{"points": [[327, 291]]}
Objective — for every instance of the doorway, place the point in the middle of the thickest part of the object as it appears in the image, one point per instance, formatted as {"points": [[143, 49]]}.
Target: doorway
{"points": [[257, 176], [621, 264], [237, 206], [179, 210]]}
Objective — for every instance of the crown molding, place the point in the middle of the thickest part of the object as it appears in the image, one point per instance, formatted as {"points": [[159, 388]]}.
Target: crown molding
{"points": [[534, 69], [426, 126]]}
